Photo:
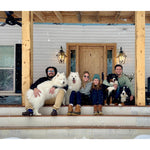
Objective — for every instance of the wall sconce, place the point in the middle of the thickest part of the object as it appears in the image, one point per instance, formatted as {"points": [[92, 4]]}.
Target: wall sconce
{"points": [[122, 56], [61, 56]]}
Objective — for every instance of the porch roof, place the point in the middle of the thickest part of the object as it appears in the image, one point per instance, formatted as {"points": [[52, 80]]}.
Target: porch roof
{"points": [[102, 17]]}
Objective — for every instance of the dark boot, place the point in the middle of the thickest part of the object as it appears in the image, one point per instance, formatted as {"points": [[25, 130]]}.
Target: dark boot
{"points": [[29, 112], [77, 110], [54, 112], [70, 110]]}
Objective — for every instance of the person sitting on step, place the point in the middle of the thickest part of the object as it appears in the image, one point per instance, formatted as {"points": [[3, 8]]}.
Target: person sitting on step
{"points": [[50, 72], [81, 97], [97, 95], [123, 80]]}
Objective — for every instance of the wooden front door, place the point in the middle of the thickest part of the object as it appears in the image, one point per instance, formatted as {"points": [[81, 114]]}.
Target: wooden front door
{"points": [[93, 57]]}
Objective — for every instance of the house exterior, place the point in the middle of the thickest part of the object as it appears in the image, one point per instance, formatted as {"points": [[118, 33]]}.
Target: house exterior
{"points": [[26, 51], [46, 39]]}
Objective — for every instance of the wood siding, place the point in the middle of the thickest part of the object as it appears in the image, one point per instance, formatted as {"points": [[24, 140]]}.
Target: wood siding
{"points": [[48, 39]]}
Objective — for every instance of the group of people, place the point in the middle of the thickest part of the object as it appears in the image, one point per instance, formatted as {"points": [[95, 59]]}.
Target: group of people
{"points": [[90, 93]]}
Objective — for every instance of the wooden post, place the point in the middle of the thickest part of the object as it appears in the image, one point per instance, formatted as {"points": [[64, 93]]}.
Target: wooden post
{"points": [[77, 60], [68, 61], [140, 58], [27, 52]]}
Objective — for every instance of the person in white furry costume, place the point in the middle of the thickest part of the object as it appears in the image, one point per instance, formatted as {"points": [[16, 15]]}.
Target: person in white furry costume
{"points": [[57, 101]]}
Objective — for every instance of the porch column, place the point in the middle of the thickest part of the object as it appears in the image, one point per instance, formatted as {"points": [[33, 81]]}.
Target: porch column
{"points": [[140, 58], [27, 52]]}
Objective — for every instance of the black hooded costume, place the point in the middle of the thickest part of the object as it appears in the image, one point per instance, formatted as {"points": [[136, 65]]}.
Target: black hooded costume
{"points": [[40, 80]]}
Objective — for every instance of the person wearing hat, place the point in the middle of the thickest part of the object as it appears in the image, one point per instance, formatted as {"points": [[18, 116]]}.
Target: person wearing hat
{"points": [[50, 73], [97, 95]]}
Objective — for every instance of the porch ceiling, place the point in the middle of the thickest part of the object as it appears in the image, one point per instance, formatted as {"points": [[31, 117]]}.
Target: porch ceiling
{"points": [[108, 17]]}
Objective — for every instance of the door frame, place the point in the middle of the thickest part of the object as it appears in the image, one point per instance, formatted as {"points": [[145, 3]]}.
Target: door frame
{"points": [[75, 46]]}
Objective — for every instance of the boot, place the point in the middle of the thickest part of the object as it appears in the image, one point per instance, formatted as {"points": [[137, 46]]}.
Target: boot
{"points": [[77, 110], [99, 108], [28, 112], [70, 110], [95, 110], [54, 112]]}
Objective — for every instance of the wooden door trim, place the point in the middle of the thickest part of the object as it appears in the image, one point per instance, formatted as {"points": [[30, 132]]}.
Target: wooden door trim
{"points": [[77, 45], [77, 59], [105, 59]]}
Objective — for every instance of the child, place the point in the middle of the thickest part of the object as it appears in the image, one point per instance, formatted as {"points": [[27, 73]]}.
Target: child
{"points": [[97, 95]]}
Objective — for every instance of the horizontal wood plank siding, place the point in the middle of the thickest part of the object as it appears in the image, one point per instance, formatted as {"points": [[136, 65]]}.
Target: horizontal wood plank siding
{"points": [[48, 39]]}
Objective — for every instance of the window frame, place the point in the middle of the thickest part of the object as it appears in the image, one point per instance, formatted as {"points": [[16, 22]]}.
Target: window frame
{"points": [[14, 69]]}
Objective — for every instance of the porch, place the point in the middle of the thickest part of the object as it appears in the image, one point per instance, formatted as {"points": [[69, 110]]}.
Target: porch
{"points": [[117, 122], [136, 59]]}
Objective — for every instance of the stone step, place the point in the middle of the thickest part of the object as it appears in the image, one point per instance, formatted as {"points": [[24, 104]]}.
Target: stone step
{"points": [[85, 110], [73, 132], [116, 123], [83, 120]]}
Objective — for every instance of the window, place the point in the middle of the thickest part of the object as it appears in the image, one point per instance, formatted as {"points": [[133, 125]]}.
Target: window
{"points": [[73, 60], [109, 61], [7, 69]]}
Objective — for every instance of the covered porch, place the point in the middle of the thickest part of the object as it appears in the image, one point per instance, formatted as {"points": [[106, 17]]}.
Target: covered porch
{"points": [[139, 18], [117, 122]]}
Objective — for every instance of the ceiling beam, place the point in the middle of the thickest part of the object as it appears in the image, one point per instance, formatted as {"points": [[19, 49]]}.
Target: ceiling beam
{"points": [[59, 16], [117, 15], [78, 14], [133, 18], [97, 16], [3, 14], [18, 14], [39, 15]]}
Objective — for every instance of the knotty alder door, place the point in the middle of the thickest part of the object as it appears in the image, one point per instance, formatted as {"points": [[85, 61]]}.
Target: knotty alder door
{"points": [[95, 58]]}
